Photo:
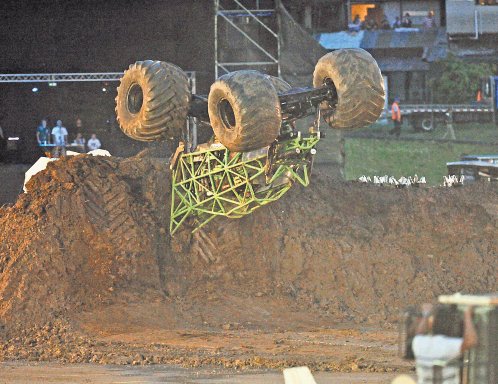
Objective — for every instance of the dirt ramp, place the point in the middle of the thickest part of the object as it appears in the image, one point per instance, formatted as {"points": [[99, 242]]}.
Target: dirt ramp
{"points": [[80, 236], [92, 234], [358, 252]]}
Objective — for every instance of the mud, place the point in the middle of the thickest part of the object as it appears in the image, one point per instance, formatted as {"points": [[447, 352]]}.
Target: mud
{"points": [[87, 267]]}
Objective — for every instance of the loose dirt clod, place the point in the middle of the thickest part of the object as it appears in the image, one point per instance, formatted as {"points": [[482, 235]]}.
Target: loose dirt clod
{"points": [[89, 244]]}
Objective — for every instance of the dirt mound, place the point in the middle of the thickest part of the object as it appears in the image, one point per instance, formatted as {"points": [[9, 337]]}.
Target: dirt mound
{"points": [[91, 236], [83, 232]]}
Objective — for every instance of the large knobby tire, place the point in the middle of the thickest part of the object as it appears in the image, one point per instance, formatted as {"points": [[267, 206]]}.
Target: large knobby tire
{"points": [[244, 110], [359, 86], [153, 101], [281, 86]]}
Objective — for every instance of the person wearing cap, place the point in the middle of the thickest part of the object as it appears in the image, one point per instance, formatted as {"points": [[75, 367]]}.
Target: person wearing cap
{"points": [[396, 117]]}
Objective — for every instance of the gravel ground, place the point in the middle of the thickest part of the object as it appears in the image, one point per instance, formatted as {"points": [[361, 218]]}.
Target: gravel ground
{"points": [[22, 373]]}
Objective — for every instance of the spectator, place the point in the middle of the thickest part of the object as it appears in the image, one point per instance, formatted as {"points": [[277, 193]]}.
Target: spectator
{"points": [[429, 22], [397, 23], [80, 140], [355, 26], [396, 118], [93, 143], [406, 22], [79, 126], [438, 345], [59, 134], [384, 24], [370, 24], [43, 133]]}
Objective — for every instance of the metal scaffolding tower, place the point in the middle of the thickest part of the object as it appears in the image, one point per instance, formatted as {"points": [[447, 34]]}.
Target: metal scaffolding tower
{"points": [[73, 77], [250, 24]]}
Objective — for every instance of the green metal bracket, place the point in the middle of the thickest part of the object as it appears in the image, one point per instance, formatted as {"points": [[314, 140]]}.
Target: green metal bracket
{"points": [[213, 181]]}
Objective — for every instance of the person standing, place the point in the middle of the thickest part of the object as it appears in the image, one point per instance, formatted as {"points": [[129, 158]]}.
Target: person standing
{"points": [[397, 23], [449, 125], [429, 21], [79, 126], [396, 118], [59, 134], [407, 21], [43, 133], [384, 24], [93, 143]]}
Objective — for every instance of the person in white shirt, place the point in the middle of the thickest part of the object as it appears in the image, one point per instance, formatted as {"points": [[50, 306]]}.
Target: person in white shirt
{"points": [[437, 346], [59, 133], [93, 143]]}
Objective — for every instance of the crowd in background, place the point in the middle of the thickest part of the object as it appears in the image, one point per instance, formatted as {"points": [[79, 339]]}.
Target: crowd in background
{"points": [[370, 23], [57, 138]]}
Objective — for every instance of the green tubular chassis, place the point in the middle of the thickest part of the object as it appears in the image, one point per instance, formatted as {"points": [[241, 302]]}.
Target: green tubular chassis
{"points": [[212, 181], [256, 153]]}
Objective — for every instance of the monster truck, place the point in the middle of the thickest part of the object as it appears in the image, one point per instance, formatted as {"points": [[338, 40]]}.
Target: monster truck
{"points": [[255, 153]]}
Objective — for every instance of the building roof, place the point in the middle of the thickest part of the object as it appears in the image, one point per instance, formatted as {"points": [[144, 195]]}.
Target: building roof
{"points": [[401, 64], [398, 38], [340, 40]]}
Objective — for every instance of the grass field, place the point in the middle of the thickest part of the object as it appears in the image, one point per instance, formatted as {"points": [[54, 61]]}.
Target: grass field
{"points": [[487, 132], [403, 158]]}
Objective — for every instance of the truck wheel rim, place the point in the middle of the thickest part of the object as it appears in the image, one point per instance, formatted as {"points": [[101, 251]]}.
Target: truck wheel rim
{"points": [[135, 99], [226, 114], [427, 125]]}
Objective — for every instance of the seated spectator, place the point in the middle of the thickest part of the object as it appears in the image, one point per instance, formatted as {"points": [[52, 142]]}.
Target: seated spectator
{"points": [[370, 24], [43, 133], [384, 24], [397, 23], [406, 22], [79, 140], [429, 21], [438, 346], [93, 143]]}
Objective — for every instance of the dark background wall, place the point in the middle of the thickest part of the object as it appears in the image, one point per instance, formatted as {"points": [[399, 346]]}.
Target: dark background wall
{"points": [[45, 36]]}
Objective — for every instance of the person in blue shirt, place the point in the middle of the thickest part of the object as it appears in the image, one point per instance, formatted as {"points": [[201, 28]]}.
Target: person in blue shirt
{"points": [[43, 133]]}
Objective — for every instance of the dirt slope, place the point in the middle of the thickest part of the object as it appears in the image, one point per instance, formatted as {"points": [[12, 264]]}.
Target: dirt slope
{"points": [[92, 236]]}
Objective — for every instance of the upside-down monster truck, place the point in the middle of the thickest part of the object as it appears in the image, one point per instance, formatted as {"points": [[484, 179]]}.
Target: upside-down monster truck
{"points": [[255, 153]]}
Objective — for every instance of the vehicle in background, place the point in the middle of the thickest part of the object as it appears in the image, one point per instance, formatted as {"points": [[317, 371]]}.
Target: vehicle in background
{"points": [[426, 117], [473, 168]]}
